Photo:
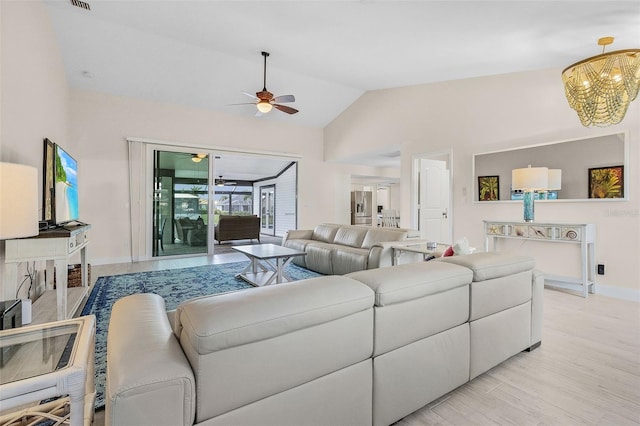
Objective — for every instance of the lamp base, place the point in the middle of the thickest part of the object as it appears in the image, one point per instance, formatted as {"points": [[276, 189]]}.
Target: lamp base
{"points": [[528, 206]]}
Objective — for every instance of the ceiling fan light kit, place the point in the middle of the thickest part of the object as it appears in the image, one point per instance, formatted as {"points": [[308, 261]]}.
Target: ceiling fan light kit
{"points": [[265, 99], [196, 158], [264, 106], [601, 88]]}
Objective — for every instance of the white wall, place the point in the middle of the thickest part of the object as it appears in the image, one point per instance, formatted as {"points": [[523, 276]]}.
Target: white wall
{"points": [[102, 122], [487, 114], [34, 101]]}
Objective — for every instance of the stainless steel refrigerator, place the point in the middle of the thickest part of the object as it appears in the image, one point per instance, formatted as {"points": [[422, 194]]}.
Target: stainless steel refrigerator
{"points": [[361, 207]]}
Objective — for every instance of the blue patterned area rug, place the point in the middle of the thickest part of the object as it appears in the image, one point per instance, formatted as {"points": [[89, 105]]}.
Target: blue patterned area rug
{"points": [[174, 285]]}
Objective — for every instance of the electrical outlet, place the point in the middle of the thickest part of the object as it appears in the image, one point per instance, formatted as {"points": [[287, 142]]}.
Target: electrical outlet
{"points": [[600, 269]]}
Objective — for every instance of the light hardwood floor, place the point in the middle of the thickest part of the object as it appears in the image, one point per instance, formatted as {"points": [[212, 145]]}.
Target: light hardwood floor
{"points": [[587, 371]]}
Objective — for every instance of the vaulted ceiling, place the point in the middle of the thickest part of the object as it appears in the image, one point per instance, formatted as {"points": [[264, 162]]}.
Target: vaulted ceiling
{"points": [[326, 53]]}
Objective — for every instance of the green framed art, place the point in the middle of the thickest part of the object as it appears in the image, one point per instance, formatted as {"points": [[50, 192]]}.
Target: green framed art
{"points": [[606, 182], [488, 188]]}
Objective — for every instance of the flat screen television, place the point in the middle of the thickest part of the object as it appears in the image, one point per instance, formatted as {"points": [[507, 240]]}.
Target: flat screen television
{"points": [[60, 189]]}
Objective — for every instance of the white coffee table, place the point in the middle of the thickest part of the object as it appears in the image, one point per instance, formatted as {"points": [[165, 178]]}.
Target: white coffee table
{"points": [[51, 360], [262, 270]]}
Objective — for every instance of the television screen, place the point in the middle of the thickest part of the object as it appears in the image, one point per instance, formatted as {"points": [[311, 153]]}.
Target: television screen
{"points": [[66, 187]]}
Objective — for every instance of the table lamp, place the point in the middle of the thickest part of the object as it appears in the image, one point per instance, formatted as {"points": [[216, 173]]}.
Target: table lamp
{"points": [[529, 180], [18, 212], [555, 183], [18, 201]]}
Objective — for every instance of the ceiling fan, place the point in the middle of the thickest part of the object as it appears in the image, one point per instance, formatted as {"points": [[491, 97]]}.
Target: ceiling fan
{"points": [[222, 182], [265, 99]]}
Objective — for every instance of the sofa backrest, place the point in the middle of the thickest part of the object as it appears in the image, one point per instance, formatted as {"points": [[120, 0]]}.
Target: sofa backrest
{"points": [[325, 232], [295, 328], [350, 236], [381, 235]]}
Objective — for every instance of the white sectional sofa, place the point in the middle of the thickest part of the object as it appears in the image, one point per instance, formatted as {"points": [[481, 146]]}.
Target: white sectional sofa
{"points": [[341, 249], [362, 349]]}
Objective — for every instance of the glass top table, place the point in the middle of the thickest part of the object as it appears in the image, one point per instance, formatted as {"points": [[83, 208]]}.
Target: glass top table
{"points": [[422, 247], [44, 361]]}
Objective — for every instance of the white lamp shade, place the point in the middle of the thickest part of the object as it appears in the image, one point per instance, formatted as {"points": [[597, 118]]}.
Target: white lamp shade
{"points": [[18, 201], [555, 179], [530, 178]]}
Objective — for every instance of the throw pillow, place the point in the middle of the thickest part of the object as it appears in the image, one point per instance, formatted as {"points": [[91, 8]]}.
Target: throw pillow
{"points": [[448, 252]]}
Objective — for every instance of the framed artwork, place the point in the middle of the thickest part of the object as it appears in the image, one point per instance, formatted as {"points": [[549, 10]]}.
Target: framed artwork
{"points": [[606, 182], [488, 188]]}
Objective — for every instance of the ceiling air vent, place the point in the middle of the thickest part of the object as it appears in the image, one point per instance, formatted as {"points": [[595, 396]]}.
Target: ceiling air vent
{"points": [[81, 4]]}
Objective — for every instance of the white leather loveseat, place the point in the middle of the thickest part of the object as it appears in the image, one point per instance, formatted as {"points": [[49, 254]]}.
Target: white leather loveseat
{"points": [[340, 249], [362, 349]]}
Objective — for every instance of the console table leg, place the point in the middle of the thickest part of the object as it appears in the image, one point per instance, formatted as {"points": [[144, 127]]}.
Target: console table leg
{"points": [[61, 288]]}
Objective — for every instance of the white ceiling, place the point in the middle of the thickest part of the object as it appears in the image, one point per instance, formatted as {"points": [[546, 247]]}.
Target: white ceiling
{"points": [[230, 167], [326, 53]]}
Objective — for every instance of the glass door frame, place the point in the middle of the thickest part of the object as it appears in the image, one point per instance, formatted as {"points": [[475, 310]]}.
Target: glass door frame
{"points": [[150, 190]]}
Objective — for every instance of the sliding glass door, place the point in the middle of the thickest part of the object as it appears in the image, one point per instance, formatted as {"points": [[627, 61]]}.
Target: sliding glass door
{"points": [[181, 203]]}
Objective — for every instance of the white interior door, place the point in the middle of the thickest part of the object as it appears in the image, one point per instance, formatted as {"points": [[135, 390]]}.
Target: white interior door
{"points": [[433, 201]]}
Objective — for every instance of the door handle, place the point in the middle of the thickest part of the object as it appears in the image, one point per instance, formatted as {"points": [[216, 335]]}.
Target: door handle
{"points": [[445, 215]]}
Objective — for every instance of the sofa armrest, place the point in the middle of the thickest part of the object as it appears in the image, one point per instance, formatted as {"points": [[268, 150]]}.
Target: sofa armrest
{"points": [[297, 234], [149, 379], [380, 255]]}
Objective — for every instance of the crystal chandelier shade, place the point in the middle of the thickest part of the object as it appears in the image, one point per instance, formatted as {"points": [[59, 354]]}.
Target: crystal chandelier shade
{"points": [[601, 88]]}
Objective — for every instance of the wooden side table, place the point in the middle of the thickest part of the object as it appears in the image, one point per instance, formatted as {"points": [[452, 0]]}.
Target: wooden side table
{"points": [[56, 247], [52, 360]]}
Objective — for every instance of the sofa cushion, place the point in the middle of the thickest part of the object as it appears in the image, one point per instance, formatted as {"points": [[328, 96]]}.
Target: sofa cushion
{"points": [[401, 283], [491, 296], [346, 259], [489, 265], [381, 235], [237, 318], [250, 345], [318, 257], [325, 233], [350, 236], [299, 245]]}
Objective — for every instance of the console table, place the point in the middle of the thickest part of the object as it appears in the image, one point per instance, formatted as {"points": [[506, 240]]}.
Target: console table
{"points": [[581, 234], [55, 246]]}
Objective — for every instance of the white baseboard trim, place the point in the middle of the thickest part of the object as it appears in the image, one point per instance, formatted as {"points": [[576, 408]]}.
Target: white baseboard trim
{"points": [[110, 261], [618, 292]]}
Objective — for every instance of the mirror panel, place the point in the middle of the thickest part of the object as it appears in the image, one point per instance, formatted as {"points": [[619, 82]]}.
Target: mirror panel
{"points": [[573, 157]]}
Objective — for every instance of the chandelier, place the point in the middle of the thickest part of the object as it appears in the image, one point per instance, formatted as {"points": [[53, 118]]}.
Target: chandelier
{"points": [[601, 88]]}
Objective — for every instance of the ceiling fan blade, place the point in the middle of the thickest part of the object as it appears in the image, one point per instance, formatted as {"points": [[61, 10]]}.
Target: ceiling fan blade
{"points": [[283, 99], [251, 95], [285, 108], [243, 103]]}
